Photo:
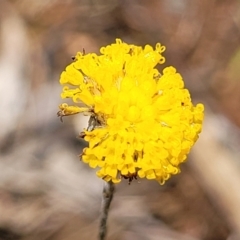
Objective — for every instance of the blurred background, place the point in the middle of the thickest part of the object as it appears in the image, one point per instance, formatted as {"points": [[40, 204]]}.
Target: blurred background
{"points": [[46, 193]]}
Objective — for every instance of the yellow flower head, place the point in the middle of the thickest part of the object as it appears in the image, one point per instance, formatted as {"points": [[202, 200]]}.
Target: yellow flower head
{"points": [[142, 121]]}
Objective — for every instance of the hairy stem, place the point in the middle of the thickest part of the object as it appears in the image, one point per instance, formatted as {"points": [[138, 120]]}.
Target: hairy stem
{"points": [[108, 191]]}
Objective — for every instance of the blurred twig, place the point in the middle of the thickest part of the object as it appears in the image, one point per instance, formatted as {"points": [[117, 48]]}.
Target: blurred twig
{"points": [[217, 171]]}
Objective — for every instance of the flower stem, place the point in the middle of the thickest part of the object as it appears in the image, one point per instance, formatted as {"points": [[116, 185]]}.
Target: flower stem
{"points": [[108, 191]]}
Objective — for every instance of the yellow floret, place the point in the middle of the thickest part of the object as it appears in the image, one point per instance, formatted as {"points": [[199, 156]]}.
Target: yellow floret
{"points": [[146, 123]]}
